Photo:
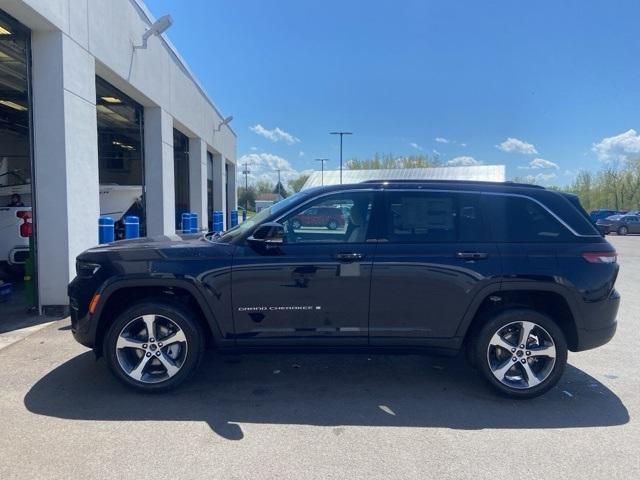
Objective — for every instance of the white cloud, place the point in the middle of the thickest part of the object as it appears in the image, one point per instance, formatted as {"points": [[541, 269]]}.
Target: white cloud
{"points": [[515, 145], [464, 161], [442, 140], [416, 146], [275, 134], [264, 166], [463, 144], [254, 149], [301, 153], [540, 163], [620, 147]]}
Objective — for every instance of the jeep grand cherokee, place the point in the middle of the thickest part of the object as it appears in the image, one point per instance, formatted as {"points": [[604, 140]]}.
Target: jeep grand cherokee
{"points": [[516, 275]]}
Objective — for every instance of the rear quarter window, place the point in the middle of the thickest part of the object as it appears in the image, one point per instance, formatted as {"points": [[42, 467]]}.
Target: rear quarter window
{"points": [[516, 219]]}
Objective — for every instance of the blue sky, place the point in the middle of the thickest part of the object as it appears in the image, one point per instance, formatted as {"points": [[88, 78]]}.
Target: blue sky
{"points": [[546, 88]]}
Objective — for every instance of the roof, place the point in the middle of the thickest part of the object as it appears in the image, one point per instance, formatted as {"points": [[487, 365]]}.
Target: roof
{"points": [[490, 173], [268, 197]]}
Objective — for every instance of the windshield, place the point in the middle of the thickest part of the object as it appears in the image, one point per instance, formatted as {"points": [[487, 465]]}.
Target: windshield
{"points": [[244, 227]]}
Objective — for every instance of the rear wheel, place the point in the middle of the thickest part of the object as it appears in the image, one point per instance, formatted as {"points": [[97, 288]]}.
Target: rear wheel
{"points": [[332, 225], [154, 346], [623, 230], [521, 353]]}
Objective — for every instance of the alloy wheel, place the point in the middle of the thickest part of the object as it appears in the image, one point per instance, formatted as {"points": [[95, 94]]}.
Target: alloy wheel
{"points": [[521, 355], [151, 348]]}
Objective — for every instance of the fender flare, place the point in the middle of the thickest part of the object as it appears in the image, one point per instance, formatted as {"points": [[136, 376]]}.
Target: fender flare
{"points": [[118, 284]]}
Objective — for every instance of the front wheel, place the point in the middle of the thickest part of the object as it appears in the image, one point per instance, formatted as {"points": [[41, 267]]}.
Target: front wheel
{"points": [[332, 225], [154, 346], [623, 230], [521, 353]]}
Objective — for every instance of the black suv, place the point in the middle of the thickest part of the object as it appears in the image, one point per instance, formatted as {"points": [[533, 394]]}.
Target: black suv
{"points": [[515, 274]]}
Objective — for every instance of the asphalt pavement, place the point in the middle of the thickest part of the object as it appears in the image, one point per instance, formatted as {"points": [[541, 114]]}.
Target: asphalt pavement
{"points": [[322, 416]]}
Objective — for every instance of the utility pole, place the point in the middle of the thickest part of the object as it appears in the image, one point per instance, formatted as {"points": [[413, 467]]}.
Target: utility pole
{"points": [[342, 134], [279, 184], [322, 160], [246, 173]]}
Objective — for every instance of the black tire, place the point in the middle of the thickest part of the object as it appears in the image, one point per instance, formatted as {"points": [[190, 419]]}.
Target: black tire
{"points": [[332, 225], [177, 313], [550, 370], [295, 223], [623, 230]]}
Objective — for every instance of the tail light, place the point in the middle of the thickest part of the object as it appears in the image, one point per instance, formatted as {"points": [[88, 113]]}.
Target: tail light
{"points": [[600, 257], [26, 229]]}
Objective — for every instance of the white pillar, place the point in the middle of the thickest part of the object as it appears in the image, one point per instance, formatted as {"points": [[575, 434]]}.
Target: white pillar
{"points": [[198, 180], [219, 195], [66, 159], [158, 172]]}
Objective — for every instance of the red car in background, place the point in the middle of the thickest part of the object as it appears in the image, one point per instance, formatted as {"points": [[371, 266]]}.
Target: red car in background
{"points": [[330, 217]]}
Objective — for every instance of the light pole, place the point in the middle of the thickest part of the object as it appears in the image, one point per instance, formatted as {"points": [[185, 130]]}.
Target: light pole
{"points": [[322, 160], [342, 134]]}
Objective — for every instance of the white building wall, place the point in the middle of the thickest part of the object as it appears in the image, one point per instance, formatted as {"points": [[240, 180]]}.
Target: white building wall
{"points": [[74, 40]]}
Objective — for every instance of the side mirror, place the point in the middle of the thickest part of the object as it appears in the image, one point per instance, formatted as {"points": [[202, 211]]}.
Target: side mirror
{"points": [[268, 235]]}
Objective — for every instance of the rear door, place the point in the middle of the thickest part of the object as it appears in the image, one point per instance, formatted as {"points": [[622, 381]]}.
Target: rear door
{"points": [[433, 257]]}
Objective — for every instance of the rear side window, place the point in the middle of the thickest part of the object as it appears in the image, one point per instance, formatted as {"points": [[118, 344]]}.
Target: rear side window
{"points": [[434, 217], [521, 220]]}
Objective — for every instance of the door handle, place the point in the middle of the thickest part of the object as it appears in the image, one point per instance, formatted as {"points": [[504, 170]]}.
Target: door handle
{"points": [[348, 257], [469, 256]]}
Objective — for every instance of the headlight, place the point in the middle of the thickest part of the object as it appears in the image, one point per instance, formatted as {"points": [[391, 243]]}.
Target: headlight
{"points": [[86, 269]]}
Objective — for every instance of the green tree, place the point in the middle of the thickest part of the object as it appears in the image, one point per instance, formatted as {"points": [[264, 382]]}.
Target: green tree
{"points": [[297, 183], [247, 197]]}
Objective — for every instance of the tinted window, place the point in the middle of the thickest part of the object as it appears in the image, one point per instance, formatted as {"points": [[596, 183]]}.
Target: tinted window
{"points": [[323, 220], [434, 217], [518, 219]]}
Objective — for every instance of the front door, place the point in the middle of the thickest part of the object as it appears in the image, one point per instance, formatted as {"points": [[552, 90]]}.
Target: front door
{"points": [[314, 289], [433, 258]]}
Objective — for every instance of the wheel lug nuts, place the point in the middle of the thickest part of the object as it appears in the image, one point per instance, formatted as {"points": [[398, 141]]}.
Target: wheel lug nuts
{"points": [[521, 346], [158, 353], [160, 344], [523, 361], [513, 350], [514, 359], [148, 354], [528, 353], [144, 345], [152, 340]]}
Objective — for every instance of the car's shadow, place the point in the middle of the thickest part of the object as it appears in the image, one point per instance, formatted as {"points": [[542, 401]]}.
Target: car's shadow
{"points": [[325, 390]]}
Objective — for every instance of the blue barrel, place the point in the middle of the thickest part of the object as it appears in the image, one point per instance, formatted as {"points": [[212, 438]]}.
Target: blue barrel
{"points": [[234, 218], [106, 231], [193, 226], [217, 221], [185, 225], [131, 226]]}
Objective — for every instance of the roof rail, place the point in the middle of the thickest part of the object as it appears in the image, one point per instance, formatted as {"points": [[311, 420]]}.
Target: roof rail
{"points": [[468, 182]]}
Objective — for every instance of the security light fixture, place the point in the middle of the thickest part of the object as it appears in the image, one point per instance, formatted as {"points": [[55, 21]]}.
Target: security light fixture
{"points": [[157, 28], [4, 31], [15, 106], [224, 122]]}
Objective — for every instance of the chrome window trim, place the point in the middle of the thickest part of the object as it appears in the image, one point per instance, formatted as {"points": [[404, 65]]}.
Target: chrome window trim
{"points": [[437, 190]]}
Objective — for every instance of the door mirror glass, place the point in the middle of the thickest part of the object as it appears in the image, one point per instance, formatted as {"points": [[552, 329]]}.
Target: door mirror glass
{"points": [[268, 234]]}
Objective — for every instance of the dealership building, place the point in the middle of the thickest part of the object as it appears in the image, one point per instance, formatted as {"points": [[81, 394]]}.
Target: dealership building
{"points": [[97, 118]]}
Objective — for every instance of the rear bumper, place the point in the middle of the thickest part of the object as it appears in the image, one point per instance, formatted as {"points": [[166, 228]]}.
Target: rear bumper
{"points": [[601, 318]]}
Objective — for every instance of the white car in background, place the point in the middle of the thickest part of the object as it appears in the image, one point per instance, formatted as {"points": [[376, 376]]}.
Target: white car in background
{"points": [[16, 223]]}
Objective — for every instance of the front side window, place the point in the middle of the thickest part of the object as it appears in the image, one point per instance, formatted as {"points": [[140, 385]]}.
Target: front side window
{"points": [[521, 220], [340, 218]]}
